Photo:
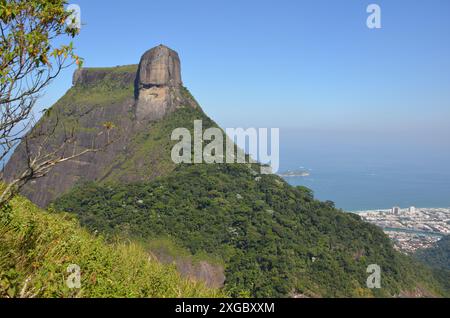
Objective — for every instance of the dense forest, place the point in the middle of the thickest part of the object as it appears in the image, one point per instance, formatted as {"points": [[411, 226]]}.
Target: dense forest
{"points": [[438, 258]]}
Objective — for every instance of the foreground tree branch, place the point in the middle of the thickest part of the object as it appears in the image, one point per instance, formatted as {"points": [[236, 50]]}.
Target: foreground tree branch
{"points": [[40, 160], [29, 61]]}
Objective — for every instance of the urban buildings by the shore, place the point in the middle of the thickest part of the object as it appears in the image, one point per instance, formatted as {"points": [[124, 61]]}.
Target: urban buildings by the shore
{"points": [[412, 228]]}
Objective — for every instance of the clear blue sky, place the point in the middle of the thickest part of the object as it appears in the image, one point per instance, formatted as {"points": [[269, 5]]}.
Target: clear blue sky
{"points": [[297, 65]]}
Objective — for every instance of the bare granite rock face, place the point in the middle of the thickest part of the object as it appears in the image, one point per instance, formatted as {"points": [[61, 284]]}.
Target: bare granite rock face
{"points": [[158, 84], [160, 66]]}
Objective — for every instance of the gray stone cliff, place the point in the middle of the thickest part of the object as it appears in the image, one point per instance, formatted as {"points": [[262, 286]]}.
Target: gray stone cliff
{"points": [[158, 84]]}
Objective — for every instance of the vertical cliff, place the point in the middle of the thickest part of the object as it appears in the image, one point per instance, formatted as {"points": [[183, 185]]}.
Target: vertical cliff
{"points": [[158, 84]]}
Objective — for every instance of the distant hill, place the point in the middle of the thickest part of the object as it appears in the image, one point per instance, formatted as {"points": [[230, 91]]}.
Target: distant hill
{"points": [[273, 239]]}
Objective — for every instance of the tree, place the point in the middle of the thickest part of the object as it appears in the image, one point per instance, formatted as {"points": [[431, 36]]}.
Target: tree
{"points": [[29, 60]]}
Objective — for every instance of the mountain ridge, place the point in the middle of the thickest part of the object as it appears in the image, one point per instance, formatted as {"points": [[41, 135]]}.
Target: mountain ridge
{"points": [[123, 96]]}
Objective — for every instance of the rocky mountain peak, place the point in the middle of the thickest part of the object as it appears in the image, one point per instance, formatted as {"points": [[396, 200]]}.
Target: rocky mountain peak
{"points": [[160, 66], [159, 89], [137, 99]]}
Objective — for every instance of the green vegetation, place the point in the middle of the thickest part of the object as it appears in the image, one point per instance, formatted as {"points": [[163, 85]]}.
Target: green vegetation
{"points": [[438, 258], [148, 152], [34, 49], [36, 248], [68, 115], [111, 88], [274, 239], [120, 69]]}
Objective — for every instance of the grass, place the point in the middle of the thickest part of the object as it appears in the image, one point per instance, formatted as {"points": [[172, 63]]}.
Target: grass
{"points": [[170, 248], [36, 248], [103, 93]]}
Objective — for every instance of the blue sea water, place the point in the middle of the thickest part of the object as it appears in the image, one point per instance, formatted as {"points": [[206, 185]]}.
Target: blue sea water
{"points": [[369, 172]]}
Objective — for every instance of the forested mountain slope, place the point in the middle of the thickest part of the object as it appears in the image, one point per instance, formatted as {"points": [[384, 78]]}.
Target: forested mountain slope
{"points": [[275, 240]]}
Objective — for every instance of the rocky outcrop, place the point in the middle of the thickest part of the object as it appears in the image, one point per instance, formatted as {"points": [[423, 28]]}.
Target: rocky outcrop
{"points": [[89, 76], [160, 66], [159, 85]]}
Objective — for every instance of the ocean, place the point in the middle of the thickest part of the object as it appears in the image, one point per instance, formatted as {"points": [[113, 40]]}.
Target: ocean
{"points": [[360, 173]]}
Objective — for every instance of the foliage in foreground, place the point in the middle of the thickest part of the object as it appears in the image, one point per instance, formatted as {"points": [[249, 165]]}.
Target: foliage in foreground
{"points": [[36, 248], [32, 55]]}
